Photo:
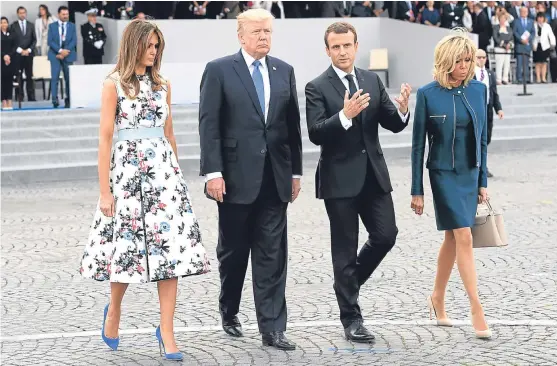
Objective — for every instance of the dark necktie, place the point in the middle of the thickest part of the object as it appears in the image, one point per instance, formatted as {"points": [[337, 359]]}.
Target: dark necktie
{"points": [[482, 75], [351, 84], [352, 88], [63, 35]]}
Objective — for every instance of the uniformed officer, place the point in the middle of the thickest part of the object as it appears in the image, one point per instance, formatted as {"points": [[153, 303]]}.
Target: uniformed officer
{"points": [[94, 39]]}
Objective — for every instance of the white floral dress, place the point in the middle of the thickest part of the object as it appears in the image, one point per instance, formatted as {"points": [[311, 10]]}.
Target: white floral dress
{"points": [[154, 234]]}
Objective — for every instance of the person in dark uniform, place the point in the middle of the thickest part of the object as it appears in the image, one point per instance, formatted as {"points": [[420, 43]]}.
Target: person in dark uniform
{"points": [[8, 49], [451, 112], [94, 39], [23, 33]]}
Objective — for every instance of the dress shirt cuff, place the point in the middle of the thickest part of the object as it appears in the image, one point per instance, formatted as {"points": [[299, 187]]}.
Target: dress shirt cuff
{"points": [[346, 123], [60, 50], [210, 176], [295, 176], [19, 49], [29, 50], [403, 117]]}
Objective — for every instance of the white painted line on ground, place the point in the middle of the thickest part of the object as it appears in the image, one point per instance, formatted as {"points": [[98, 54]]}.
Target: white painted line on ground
{"points": [[310, 324]]}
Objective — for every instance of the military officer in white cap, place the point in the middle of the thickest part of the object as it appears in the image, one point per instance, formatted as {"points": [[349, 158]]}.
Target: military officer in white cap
{"points": [[94, 39]]}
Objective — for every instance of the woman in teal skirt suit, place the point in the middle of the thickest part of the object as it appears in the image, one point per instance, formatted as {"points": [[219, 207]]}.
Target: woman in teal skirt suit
{"points": [[451, 112]]}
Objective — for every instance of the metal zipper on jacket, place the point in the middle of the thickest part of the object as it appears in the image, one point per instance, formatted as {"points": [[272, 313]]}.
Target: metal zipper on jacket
{"points": [[430, 146], [454, 129], [475, 129], [444, 116]]}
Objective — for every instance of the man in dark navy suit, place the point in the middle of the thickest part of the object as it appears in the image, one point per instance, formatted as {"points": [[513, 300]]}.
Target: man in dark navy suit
{"points": [[25, 40], [251, 157], [493, 102], [62, 52], [345, 106]]}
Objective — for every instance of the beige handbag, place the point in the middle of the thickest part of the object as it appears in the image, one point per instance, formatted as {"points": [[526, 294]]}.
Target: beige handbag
{"points": [[489, 229]]}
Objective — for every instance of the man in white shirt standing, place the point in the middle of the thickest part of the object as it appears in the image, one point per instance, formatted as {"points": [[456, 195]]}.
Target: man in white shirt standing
{"points": [[62, 52], [25, 41], [493, 103], [344, 107], [251, 157]]}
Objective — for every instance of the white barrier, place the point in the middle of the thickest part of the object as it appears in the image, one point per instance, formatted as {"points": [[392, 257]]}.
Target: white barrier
{"points": [[86, 83]]}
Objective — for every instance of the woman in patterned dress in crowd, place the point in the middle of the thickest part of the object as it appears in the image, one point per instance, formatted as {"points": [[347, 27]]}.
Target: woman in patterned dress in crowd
{"points": [[144, 228]]}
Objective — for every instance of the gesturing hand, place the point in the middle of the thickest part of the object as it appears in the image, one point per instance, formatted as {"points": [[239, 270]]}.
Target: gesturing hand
{"points": [[402, 99], [216, 188], [356, 104]]}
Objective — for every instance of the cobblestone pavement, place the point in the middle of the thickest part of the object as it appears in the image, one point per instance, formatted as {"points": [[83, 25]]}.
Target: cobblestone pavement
{"points": [[52, 316]]}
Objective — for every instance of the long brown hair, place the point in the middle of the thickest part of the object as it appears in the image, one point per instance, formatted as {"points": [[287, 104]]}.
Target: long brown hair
{"points": [[133, 45]]}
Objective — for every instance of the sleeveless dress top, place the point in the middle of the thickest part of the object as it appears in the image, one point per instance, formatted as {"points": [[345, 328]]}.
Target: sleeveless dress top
{"points": [[154, 234]]}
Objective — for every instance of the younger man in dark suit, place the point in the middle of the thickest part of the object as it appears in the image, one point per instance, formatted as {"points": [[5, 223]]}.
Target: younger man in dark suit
{"points": [[344, 107], [493, 103], [24, 41]]}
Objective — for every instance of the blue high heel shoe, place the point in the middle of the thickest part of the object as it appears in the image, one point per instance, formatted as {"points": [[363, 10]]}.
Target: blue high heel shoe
{"points": [[177, 356], [110, 342]]}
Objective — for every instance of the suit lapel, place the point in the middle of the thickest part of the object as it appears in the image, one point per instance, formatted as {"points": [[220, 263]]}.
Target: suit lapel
{"points": [[243, 72], [337, 83], [365, 89], [272, 77]]}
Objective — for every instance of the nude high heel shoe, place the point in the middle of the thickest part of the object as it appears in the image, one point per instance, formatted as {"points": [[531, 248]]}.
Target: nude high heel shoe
{"points": [[440, 322], [482, 334]]}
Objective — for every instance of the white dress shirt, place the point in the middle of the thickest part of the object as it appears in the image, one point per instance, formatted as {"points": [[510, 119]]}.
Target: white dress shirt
{"points": [[60, 26], [347, 123], [267, 89], [23, 27], [265, 73], [485, 80]]}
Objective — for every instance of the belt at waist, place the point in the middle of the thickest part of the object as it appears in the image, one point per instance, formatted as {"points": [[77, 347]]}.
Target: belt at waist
{"points": [[140, 133]]}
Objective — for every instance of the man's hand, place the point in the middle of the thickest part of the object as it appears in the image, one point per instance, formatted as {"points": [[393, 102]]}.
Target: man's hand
{"points": [[7, 59], [501, 114], [60, 57], [356, 104], [402, 99], [65, 53], [296, 187], [216, 188], [24, 53]]}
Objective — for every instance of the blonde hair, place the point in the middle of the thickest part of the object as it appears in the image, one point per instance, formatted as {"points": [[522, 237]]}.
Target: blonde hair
{"points": [[253, 15], [133, 45], [449, 50]]}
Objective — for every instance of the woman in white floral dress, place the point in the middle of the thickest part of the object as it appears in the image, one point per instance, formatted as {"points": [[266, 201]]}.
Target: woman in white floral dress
{"points": [[144, 229]]}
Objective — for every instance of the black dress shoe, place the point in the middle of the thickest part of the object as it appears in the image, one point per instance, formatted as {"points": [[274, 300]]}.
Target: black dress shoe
{"points": [[356, 332], [489, 174], [232, 327], [277, 340]]}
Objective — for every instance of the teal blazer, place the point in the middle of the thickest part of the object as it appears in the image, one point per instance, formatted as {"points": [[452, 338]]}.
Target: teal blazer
{"points": [[435, 118]]}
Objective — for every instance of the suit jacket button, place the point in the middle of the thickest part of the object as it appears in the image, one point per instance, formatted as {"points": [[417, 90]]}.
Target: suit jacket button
{"points": [[263, 151], [363, 151]]}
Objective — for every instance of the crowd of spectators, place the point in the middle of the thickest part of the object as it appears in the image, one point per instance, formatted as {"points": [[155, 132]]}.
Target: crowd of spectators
{"points": [[515, 34]]}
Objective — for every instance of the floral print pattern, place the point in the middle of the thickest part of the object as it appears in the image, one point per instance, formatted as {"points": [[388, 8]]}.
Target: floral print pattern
{"points": [[154, 234]]}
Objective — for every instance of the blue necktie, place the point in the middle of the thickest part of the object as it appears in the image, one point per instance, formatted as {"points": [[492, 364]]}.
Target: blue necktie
{"points": [[258, 82]]}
